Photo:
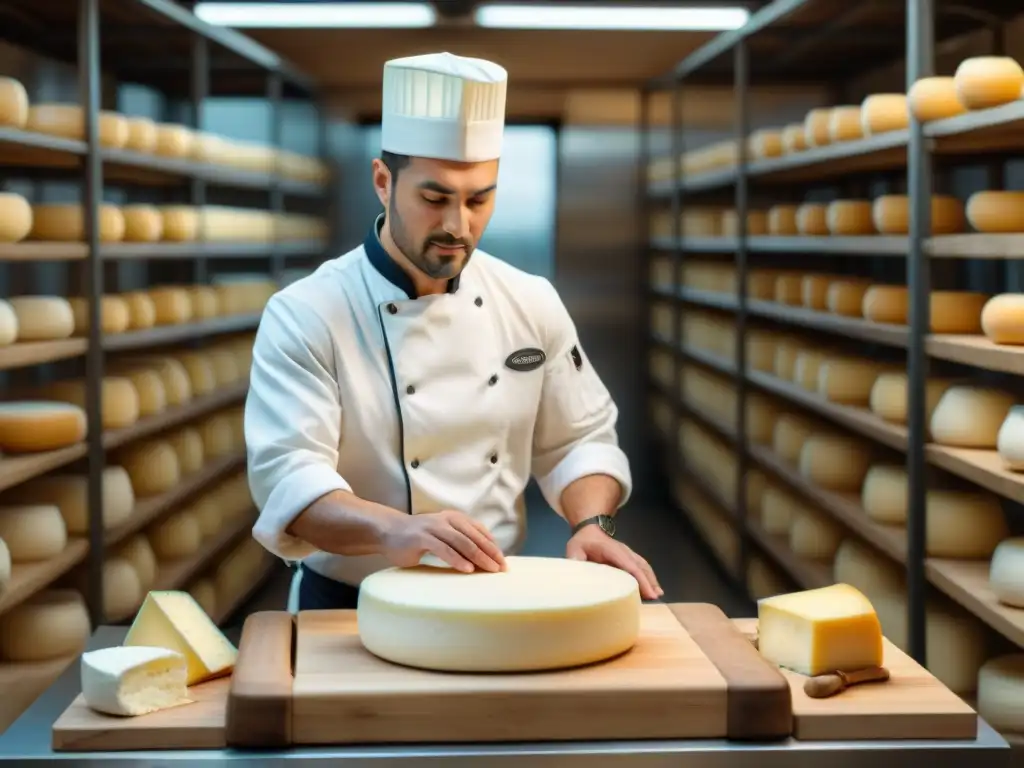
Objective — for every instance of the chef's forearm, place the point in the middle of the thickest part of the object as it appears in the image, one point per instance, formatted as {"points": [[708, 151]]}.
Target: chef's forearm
{"points": [[344, 524], [590, 495]]}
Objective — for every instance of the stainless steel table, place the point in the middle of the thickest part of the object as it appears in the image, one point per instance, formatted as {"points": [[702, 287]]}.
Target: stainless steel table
{"points": [[28, 739]]}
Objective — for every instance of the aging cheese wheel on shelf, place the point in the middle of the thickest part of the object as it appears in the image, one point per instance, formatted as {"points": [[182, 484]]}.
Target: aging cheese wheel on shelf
{"points": [[173, 140], [8, 324], [33, 426], [835, 462], [865, 568], [43, 318], [152, 466], [176, 536], [848, 380], [1006, 572], [765, 143], [891, 215], [934, 98], [114, 314], [5, 566], [970, 416], [764, 579], [950, 311], [188, 445], [142, 223], [540, 613], [757, 224], [119, 400], [149, 386], [782, 220], [787, 349], [15, 217], [964, 524], [794, 138], [208, 514], [33, 532], [817, 127], [789, 289], [70, 494], [996, 211], [850, 217], [14, 103], [777, 507], [846, 297], [814, 291], [200, 372], [65, 222], [225, 367], [205, 302], [790, 433], [812, 219], [141, 310], [177, 384], [172, 305], [1001, 693], [1002, 318], [136, 551], [845, 124], [813, 535], [988, 81], [122, 588], [47, 625], [884, 112], [141, 135], [1010, 439], [808, 364], [68, 121], [218, 436], [889, 396]]}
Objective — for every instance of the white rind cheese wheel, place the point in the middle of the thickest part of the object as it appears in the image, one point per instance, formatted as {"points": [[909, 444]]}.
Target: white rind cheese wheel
{"points": [[65, 222], [891, 215], [1001, 693], [1002, 318], [70, 493], [884, 494], [782, 220], [983, 82], [964, 524], [835, 462], [15, 217], [850, 218], [1006, 572], [934, 98], [812, 219], [1010, 439], [884, 112], [817, 127], [48, 625], [970, 416], [68, 121], [33, 532], [33, 426], [889, 396], [43, 318], [996, 211], [540, 613], [794, 138], [14, 103], [844, 124], [133, 680]]}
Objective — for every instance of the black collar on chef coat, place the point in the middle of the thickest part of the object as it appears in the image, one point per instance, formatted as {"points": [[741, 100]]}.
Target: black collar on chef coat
{"points": [[387, 266]]}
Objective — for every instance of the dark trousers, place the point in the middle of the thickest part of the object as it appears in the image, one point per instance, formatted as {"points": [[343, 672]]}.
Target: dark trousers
{"points": [[318, 592]]}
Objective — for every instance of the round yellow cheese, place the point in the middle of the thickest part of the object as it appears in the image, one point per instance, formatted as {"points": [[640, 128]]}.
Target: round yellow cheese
{"points": [[15, 217], [540, 613], [5, 566], [794, 138], [8, 324], [812, 219], [848, 380], [835, 462], [969, 416], [114, 314], [846, 297], [70, 494], [765, 143], [32, 426], [890, 215], [934, 98], [988, 81], [850, 217], [814, 535], [205, 302], [817, 127], [14, 103], [789, 289], [118, 399], [218, 436], [950, 311], [142, 223], [141, 135], [782, 220], [172, 305], [889, 396], [814, 291], [787, 349], [805, 371], [141, 310], [47, 625], [757, 223], [68, 121], [176, 536], [33, 532], [188, 445], [43, 318], [1006, 572], [845, 124], [122, 589], [152, 466], [866, 569], [996, 211], [964, 524], [777, 505], [225, 367], [174, 140], [1002, 318], [63, 222], [175, 378], [1001, 693], [762, 411], [884, 112], [149, 386], [790, 433]]}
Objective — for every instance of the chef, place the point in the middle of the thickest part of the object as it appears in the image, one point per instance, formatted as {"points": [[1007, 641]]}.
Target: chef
{"points": [[403, 394]]}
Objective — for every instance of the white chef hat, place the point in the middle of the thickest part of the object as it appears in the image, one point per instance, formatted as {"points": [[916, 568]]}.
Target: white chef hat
{"points": [[443, 106]]}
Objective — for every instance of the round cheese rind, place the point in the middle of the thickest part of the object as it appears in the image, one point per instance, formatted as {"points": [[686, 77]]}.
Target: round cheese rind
{"points": [[850, 217], [188, 445], [8, 324], [540, 613], [137, 551], [141, 135], [782, 220], [14, 103], [835, 462], [43, 318], [176, 536], [33, 532], [884, 112], [884, 494], [15, 217], [1010, 439], [5, 566], [891, 215], [964, 524], [996, 211], [934, 98], [141, 310], [813, 535], [142, 223], [844, 124], [812, 219], [152, 466], [970, 416], [846, 297], [70, 493], [790, 433], [1006, 572], [64, 222], [794, 138], [31, 426], [817, 127], [68, 121], [114, 314], [48, 625], [889, 396], [1002, 318], [1001, 693], [983, 82]]}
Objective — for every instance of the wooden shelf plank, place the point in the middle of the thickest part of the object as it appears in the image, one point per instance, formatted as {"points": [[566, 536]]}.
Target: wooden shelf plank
{"points": [[23, 683], [17, 468], [29, 578], [171, 334], [966, 581], [201, 250], [26, 353], [40, 251]]}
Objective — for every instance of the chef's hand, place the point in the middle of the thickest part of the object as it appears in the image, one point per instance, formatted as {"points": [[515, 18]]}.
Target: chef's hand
{"points": [[459, 540], [593, 544]]}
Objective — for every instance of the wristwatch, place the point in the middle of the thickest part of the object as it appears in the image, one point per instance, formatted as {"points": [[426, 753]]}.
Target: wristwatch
{"points": [[605, 522]]}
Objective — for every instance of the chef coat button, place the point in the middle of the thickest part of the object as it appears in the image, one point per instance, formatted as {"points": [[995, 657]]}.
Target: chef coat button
{"points": [[478, 301], [410, 390], [494, 458], [415, 463], [392, 309], [493, 380]]}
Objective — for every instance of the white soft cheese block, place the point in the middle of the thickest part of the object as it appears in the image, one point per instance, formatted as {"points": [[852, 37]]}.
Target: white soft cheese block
{"points": [[133, 680], [970, 416], [540, 613], [817, 631], [1001, 693], [1006, 572]]}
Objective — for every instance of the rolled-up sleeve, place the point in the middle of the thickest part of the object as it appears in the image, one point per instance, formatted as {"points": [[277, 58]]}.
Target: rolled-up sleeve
{"points": [[292, 422], [575, 433]]}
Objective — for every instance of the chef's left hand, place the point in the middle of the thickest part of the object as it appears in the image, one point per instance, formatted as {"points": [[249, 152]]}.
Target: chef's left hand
{"points": [[593, 544]]}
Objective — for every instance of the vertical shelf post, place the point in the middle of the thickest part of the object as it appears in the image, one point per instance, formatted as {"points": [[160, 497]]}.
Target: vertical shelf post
{"points": [[275, 88], [676, 144], [199, 92]]}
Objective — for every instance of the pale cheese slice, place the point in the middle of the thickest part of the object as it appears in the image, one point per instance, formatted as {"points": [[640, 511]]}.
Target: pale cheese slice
{"points": [[133, 680]]}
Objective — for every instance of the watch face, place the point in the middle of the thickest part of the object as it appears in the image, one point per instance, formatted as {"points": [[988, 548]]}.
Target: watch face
{"points": [[607, 524]]}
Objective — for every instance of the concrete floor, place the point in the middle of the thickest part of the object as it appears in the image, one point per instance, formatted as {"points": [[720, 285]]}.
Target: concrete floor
{"points": [[686, 570]]}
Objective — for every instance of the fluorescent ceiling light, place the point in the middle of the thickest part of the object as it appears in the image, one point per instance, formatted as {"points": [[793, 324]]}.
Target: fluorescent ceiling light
{"points": [[607, 17], [317, 15]]}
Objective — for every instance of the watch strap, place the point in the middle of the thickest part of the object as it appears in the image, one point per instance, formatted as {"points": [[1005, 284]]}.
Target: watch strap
{"points": [[606, 523]]}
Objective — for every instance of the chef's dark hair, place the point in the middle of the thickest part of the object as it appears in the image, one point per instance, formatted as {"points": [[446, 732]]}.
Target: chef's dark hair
{"points": [[394, 163]]}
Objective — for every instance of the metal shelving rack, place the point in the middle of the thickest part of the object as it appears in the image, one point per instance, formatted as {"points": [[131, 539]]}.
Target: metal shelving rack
{"points": [[161, 44], [782, 41]]}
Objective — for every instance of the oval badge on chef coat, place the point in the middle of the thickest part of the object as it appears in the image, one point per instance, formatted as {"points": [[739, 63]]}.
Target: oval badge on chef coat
{"points": [[526, 359]]}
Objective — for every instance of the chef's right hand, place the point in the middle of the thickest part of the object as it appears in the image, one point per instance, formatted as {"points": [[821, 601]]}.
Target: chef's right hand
{"points": [[459, 540]]}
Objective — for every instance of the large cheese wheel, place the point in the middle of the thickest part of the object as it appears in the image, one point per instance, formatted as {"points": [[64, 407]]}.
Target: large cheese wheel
{"points": [[866, 569], [844, 124], [814, 291], [777, 505], [835, 462], [1002, 318], [1010, 439], [934, 98], [47, 625], [757, 223], [141, 135], [173, 140], [794, 138], [884, 112], [1001, 693], [14, 103], [68, 121], [808, 364], [891, 215], [765, 143], [152, 392], [789, 289], [175, 378], [813, 535], [850, 217], [1006, 572], [988, 81], [122, 588], [996, 211], [188, 445], [782, 220], [152, 466], [172, 305], [15, 217], [65, 222], [43, 318], [540, 613], [114, 314], [848, 380], [846, 297], [33, 532], [31, 426], [950, 311], [787, 350], [889, 396], [964, 524], [200, 372], [8, 324], [70, 494], [790, 433], [205, 302], [118, 399], [812, 219], [884, 494], [970, 416], [176, 536], [142, 223], [817, 127]]}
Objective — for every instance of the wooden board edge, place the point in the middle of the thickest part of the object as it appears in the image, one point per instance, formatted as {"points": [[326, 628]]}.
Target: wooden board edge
{"points": [[259, 706], [760, 702]]}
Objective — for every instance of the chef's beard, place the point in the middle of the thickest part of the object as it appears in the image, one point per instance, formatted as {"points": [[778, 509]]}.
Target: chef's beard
{"points": [[438, 266]]}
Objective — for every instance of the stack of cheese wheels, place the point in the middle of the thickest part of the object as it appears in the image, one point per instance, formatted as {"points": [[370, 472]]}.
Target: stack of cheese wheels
{"points": [[33, 426], [53, 623], [539, 613], [214, 223], [764, 579], [709, 457], [119, 400]]}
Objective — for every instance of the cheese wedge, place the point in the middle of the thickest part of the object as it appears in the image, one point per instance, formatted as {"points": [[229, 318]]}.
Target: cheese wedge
{"points": [[816, 631], [175, 621], [132, 681]]}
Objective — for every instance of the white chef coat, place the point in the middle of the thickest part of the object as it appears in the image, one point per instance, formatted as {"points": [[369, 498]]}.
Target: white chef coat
{"points": [[446, 401]]}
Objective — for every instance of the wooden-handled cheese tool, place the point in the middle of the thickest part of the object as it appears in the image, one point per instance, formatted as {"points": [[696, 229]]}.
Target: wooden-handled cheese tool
{"points": [[823, 686]]}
